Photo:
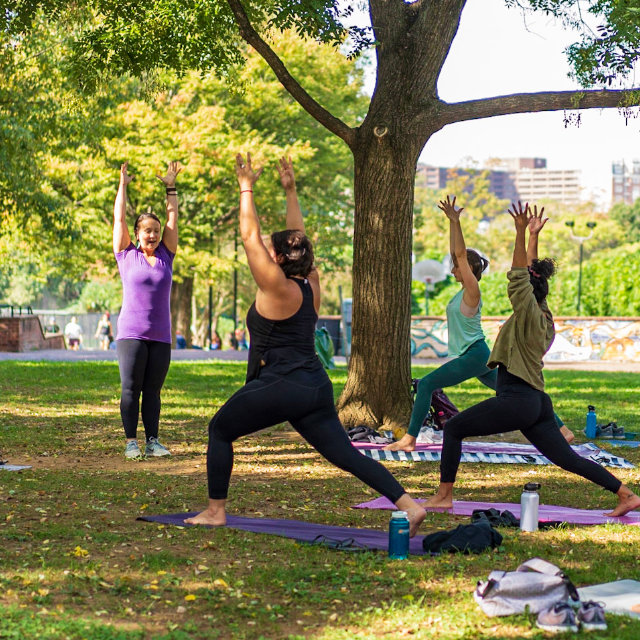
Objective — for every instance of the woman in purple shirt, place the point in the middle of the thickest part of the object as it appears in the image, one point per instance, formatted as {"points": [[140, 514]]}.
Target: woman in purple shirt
{"points": [[143, 341]]}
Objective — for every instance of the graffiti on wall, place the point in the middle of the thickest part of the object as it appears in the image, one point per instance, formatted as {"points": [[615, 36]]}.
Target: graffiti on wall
{"points": [[577, 339]]}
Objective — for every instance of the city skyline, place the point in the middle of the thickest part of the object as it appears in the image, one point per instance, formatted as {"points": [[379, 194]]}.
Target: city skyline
{"points": [[498, 52]]}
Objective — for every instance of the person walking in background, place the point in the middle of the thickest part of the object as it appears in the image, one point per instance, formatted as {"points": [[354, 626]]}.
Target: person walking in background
{"points": [[285, 378], [104, 332], [73, 334], [143, 341], [520, 401]]}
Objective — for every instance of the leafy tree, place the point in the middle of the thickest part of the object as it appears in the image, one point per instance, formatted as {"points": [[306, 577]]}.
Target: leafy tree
{"points": [[411, 41], [628, 217]]}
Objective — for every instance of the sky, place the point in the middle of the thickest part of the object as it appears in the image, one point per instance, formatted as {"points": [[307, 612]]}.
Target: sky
{"points": [[498, 52]]}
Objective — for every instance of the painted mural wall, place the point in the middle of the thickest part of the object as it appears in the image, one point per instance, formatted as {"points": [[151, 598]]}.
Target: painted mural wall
{"points": [[577, 339]]}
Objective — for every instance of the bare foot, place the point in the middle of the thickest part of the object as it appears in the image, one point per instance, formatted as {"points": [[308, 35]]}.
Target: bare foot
{"points": [[627, 501], [567, 433], [406, 443], [438, 502], [216, 518], [416, 516]]}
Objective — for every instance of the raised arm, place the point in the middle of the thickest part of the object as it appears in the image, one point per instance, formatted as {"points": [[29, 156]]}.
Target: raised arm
{"points": [[170, 233], [121, 237], [521, 217], [287, 178], [471, 295], [536, 224], [268, 275]]}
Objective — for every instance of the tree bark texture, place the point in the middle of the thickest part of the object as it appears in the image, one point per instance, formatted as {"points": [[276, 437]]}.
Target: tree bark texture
{"points": [[377, 391], [181, 294]]}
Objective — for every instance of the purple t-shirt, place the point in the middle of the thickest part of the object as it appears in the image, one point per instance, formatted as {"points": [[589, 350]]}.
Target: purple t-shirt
{"points": [[146, 293]]}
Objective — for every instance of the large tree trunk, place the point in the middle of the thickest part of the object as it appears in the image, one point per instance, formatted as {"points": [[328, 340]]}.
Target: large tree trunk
{"points": [[181, 293], [377, 392]]}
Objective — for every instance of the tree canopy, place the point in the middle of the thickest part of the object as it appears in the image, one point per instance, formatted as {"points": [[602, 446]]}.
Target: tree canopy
{"points": [[410, 41]]}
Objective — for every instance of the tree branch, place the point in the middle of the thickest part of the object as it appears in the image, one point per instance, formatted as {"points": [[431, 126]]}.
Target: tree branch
{"points": [[533, 103], [253, 38]]}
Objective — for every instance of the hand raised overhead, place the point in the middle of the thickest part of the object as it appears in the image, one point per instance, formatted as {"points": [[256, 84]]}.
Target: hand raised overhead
{"points": [[169, 179], [521, 215], [247, 177], [125, 178], [449, 208], [536, 221], [285, 170]]}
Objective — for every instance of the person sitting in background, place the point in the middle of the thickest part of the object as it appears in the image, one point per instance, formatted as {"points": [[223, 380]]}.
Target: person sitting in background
{"points": [[216, 342], [241, 338], [181, 341]]}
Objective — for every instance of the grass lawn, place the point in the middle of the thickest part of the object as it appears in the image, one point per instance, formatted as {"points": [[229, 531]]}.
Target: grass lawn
{"points": [[75, 563]]}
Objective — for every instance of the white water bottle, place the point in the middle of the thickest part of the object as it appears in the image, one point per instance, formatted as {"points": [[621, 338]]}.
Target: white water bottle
{"points": [[529, 502]]}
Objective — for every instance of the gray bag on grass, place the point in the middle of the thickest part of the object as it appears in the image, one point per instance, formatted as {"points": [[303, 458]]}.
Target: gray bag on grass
{"points": [[534, 585]]}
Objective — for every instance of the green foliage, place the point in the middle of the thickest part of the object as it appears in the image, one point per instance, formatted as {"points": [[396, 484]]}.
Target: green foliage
{"points": [[99, 295], [628, 218], [203, 122]]}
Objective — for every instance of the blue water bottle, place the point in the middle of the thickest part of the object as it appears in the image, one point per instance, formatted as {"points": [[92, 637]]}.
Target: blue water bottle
{"points": [[591, 428], [399, 535]]}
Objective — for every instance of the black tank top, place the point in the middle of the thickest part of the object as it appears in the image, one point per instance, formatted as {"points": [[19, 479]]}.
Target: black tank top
{"points": [[284, 345]]}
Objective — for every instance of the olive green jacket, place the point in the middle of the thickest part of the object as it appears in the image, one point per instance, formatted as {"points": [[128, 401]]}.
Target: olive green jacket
{"points": [[526, 335]]}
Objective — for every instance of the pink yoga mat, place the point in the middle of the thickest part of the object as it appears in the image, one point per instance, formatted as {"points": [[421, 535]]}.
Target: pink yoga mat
{"points": [[546, 512]]}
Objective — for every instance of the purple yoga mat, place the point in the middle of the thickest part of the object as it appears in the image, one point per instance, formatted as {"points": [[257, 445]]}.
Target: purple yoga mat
{"points": [[515, 448], [298, 530], [546, 512]]}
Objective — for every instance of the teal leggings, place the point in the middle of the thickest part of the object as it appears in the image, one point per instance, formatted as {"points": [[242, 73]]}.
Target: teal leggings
{"points": [[471, 364]]}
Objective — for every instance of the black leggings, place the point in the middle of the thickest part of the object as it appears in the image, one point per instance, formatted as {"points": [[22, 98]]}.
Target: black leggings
{"points": [[143, 368], [305, 399], [517, 403]]}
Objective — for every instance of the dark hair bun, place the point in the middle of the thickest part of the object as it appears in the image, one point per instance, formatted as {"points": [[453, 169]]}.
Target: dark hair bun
{"points": [[296, 252], [546, 267]]}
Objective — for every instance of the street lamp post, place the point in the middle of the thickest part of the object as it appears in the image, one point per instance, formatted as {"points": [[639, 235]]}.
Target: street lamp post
{"points": [[581, 240]]}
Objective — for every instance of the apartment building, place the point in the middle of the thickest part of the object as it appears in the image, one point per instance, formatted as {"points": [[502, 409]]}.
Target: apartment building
{"points": [[625, 182], [516, 179]]}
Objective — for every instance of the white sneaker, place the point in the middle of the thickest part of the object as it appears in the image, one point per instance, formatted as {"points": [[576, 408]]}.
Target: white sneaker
{"points": [[429, 435], [132, 450], [154, 449]]}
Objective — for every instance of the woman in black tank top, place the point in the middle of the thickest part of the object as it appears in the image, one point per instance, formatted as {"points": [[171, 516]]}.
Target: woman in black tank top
{"points": [[285, 378]]}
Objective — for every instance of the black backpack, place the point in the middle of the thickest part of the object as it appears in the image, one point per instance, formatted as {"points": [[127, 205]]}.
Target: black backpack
{"points": [[442, 409]]}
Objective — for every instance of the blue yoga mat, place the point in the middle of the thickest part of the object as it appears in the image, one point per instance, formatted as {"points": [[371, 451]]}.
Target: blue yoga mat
{"points": [[372, 539]]}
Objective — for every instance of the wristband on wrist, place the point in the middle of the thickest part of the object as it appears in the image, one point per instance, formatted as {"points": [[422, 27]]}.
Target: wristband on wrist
{"points": [[247, 191], [172, 191]]}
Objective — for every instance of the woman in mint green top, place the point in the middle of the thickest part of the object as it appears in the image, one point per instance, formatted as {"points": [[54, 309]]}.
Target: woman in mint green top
{"points": [[467, 345]]}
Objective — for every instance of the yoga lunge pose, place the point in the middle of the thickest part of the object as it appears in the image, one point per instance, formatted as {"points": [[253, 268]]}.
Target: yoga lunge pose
{"points": [[285, 378], [467, 344], [520, 400], [143, 341]]}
